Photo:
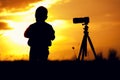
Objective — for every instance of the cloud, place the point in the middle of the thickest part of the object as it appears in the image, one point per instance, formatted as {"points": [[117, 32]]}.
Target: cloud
{"points": [[80, 8], [15, 5], [16, 10], [4, 26]]}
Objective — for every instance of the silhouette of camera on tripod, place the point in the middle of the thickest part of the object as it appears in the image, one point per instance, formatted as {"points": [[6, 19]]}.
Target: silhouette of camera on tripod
{"points": [[84, 20], [83, 48]]}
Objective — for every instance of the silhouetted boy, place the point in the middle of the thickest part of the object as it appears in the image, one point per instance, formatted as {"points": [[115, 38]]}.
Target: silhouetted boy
{"points": [[40, 35]]}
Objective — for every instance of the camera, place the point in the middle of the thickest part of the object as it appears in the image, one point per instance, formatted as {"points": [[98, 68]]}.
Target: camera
{"points": [[84, 20]]}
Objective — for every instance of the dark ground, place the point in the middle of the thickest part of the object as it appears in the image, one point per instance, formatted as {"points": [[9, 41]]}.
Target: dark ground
{"points": [[97, 69]]}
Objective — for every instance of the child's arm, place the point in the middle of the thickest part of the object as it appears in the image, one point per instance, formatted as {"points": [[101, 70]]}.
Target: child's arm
{"points": [[27, 32]]}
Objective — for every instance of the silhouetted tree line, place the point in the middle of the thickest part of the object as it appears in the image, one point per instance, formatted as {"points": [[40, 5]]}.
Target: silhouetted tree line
{"points": [[112, 56]]}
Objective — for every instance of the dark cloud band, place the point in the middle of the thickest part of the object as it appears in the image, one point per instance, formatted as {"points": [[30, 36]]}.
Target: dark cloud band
{"points": [[4, 26], [15, 4]]}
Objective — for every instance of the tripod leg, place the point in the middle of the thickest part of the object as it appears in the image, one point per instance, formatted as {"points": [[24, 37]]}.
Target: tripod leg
{"points": [[84, 51], [92, 47], [81, 48], [85, 46], [83, 54]]}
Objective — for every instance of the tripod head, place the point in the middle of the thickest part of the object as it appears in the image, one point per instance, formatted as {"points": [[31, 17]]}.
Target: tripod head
{"points": [[84, 21]]}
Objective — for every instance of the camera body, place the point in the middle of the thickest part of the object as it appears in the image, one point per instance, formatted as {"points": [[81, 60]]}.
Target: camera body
{"points": [[84, 20]]}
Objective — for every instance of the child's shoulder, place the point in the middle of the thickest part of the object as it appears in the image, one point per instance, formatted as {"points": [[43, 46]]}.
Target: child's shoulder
{"points": [[32, 24], [48, 24]]}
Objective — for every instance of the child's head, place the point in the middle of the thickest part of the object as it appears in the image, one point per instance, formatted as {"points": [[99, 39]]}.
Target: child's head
{"points": [[41, 13]]}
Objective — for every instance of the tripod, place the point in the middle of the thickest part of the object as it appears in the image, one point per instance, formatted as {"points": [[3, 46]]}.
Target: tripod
{"points": [[83, 49]]}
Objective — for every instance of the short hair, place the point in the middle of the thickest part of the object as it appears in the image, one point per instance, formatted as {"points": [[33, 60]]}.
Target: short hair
{"points": [[41, 12]]}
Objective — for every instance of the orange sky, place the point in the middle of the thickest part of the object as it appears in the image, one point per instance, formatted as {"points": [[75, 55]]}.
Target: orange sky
{"points": [[104, 26]]}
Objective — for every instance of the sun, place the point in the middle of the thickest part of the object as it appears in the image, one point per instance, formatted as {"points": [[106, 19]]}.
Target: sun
{"points": [[16, 35]]}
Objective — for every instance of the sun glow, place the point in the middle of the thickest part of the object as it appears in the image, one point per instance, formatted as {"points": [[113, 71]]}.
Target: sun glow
{"points": [[17, 33]]}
